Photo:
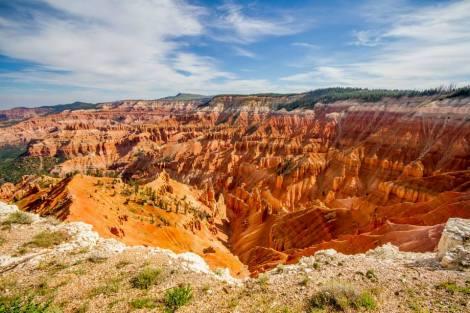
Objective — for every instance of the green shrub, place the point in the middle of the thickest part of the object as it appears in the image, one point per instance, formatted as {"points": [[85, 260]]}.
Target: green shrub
{"points": [[145, 278], [143, 303], [47, 239], [18, 218], [263, 280], [18, 305], [370, 274], [365, 300], [177, 297], [341, 296], [305, 280], [452, 287]]}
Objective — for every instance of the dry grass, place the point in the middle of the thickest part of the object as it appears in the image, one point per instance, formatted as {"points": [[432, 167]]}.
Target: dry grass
{"points": [[145, 278], [48, 239], [18, 218], [341, 296]]}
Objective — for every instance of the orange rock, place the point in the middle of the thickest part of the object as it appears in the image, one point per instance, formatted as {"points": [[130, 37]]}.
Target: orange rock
{"points": [[276, 185]]}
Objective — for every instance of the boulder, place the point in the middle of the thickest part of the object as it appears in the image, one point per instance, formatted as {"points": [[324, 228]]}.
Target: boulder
{"points": [[454, 245]]}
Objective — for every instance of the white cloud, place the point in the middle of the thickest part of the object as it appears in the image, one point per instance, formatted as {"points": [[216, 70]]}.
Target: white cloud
{"points": [[305, 45], [244, 52], [239, 27], [120, 49], [366, 38], [421, 48]]}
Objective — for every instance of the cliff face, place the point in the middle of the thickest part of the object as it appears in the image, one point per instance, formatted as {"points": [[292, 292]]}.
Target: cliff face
{"points": [[346, 175]]}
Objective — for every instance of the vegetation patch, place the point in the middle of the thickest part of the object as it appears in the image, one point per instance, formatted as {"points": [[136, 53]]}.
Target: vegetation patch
{"points": [[330, 95], [305, 281], [452, 287], [145, 278], [143, 303], [97, 259], [18, 305], [108, 288], [47, 239], [14, 163], [18, 218], [263, 280], [340, 297], [52, 266], [177, 297], [122, 264], [370, 274]]}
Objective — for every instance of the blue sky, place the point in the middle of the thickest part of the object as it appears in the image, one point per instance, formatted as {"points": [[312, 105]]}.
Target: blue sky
{"points": [[59, 51]]}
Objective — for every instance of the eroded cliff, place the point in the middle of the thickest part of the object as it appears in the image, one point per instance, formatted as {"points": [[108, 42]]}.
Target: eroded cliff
{"points": [[349, 175]]}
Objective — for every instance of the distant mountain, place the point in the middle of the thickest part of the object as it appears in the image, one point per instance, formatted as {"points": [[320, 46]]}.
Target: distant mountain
{"points": [[77, 105], [22, 113], [186, 97]]}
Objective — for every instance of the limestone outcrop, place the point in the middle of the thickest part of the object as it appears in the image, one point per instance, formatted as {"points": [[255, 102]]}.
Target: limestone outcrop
{"points": [[454, 246]]}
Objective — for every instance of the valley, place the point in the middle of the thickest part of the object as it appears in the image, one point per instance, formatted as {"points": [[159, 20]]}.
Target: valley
{"points": [[251, 182]]}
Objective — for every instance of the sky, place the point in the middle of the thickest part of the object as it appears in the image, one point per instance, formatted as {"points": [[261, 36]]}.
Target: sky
{"points": [[60, 51]]}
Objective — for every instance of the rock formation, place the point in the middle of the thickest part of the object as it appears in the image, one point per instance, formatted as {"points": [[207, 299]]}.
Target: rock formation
{"points": [[349, 175], [454, 246]]}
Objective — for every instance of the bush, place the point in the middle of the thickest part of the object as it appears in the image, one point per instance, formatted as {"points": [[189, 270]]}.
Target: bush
{"points": [[18, 218], [263, 280], [370, 274], [341, 296], [47, 239], [145, 278], [177, 297]]}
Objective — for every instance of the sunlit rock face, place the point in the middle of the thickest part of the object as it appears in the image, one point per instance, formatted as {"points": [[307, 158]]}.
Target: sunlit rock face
{"points": [[346, 175], [454, 246]]}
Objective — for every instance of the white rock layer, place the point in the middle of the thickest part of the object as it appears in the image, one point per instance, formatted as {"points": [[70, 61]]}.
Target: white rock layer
{"points": [[454, 246]]}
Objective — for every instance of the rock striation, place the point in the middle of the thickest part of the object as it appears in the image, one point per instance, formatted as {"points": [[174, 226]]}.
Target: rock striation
{"points": [[348, 175]]}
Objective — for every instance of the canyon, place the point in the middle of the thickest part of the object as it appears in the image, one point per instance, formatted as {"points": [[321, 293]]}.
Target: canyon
{"points": [[251, 182]]}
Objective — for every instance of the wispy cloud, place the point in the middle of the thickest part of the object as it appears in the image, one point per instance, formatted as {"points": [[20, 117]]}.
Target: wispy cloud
{"points": [[244, 52], [419, 48], [240, 27], [367, 38], [305, 45]]}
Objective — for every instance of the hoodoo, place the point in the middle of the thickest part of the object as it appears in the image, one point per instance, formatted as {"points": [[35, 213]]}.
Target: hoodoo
{"points": [[248, 182]]}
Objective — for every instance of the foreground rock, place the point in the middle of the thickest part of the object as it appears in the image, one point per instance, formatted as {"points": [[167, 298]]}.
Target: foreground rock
{"points": [[454, 246]]}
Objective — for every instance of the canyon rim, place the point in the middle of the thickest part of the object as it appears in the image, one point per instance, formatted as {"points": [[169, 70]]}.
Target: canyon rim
{"points": [[309, 161]]}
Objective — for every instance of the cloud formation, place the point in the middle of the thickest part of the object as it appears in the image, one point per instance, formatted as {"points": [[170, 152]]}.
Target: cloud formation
{"points": [[100, 50], [418, 49], [126, 48], [242, 28]]}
